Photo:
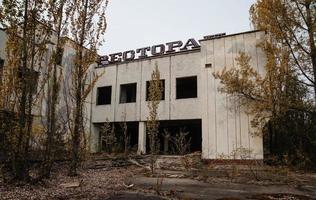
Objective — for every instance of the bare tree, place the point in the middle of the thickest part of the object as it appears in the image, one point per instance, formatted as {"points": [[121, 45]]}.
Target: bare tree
{"points": [[27, 38], [87, 26], [58, 18], [181, 142], [290, 24], [108, 136], [125, 134]]}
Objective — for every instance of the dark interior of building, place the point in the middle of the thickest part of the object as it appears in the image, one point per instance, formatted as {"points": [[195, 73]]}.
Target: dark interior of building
{"points": [[119, 145], [104, 95], [170, 139], [186, 87], [176, 137], [128, 93]]}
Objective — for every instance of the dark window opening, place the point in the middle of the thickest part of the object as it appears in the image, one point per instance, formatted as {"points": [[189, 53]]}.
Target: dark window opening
{"points": [[186, 87], [34, 77], [104, 95], [1, 68], [31, 78], [209, 65], [162, 92], [128, 93], [179, 137], [1, 63], [59, 56]]}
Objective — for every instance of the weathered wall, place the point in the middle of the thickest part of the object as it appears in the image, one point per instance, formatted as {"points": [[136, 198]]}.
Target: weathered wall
{"points": [[225, 127], [170, 67], [3, 39], [65, 100]]}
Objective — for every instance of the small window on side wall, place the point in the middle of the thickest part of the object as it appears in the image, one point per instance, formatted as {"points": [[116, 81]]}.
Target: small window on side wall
{"points": [[59, 56], [104, 95], [31, 76], [162, 92], [128, 93], [1, 63], [186, 87]]}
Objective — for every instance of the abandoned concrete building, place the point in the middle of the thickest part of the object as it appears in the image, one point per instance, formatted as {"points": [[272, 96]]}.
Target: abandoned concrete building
{"points": [[214, 124], [191, 103]]}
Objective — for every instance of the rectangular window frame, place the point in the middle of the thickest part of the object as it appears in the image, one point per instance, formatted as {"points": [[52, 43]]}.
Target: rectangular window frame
{"points": [[178, 97], [106, 101], [163, 92], [133, 100]]}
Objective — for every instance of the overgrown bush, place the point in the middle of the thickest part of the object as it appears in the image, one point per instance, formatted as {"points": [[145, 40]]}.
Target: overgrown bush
{"points": [[108, 138], [181, 142], [290, 139]]}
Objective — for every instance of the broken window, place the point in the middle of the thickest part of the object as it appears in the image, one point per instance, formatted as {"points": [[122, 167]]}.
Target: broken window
{"points": [[162, 92], [186, 87], [128, 93], [104, 95]]}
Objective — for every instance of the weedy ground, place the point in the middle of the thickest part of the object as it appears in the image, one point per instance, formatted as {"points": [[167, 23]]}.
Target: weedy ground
{"points": [[186, 177]]}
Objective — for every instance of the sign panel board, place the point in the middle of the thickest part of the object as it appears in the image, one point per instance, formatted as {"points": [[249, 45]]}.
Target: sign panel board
{"points": [[145, 52]]}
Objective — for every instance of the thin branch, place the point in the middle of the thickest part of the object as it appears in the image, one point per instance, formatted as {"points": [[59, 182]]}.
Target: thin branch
{"points": [[295, 59], [301, 12]]}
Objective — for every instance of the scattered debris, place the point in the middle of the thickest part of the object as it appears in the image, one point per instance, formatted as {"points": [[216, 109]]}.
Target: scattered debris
{"points": [[138, 164], [93, 184], [128, 186], [105, 178]]}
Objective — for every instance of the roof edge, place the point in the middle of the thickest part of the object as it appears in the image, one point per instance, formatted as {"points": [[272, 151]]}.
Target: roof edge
{"points": [[231, 35]]}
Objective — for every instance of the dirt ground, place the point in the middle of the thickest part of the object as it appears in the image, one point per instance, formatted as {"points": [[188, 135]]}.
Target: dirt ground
{"points": [[104, 177]]}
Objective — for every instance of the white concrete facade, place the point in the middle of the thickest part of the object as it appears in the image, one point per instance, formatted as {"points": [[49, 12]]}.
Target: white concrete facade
{"points": [[225, 127]]}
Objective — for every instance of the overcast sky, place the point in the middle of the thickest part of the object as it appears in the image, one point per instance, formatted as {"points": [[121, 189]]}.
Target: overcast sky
{"points": [[139, 23]]}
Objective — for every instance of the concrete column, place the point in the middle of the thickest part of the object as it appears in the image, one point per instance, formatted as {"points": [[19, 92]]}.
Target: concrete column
{"points": [[141, 138], [94, 139]]}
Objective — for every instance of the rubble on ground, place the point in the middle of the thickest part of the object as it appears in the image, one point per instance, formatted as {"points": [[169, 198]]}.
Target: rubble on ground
{"points": [[103, 176]]}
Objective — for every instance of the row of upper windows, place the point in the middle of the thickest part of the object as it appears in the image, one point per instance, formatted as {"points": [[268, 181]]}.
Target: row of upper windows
{"points": [[186, 87]]}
